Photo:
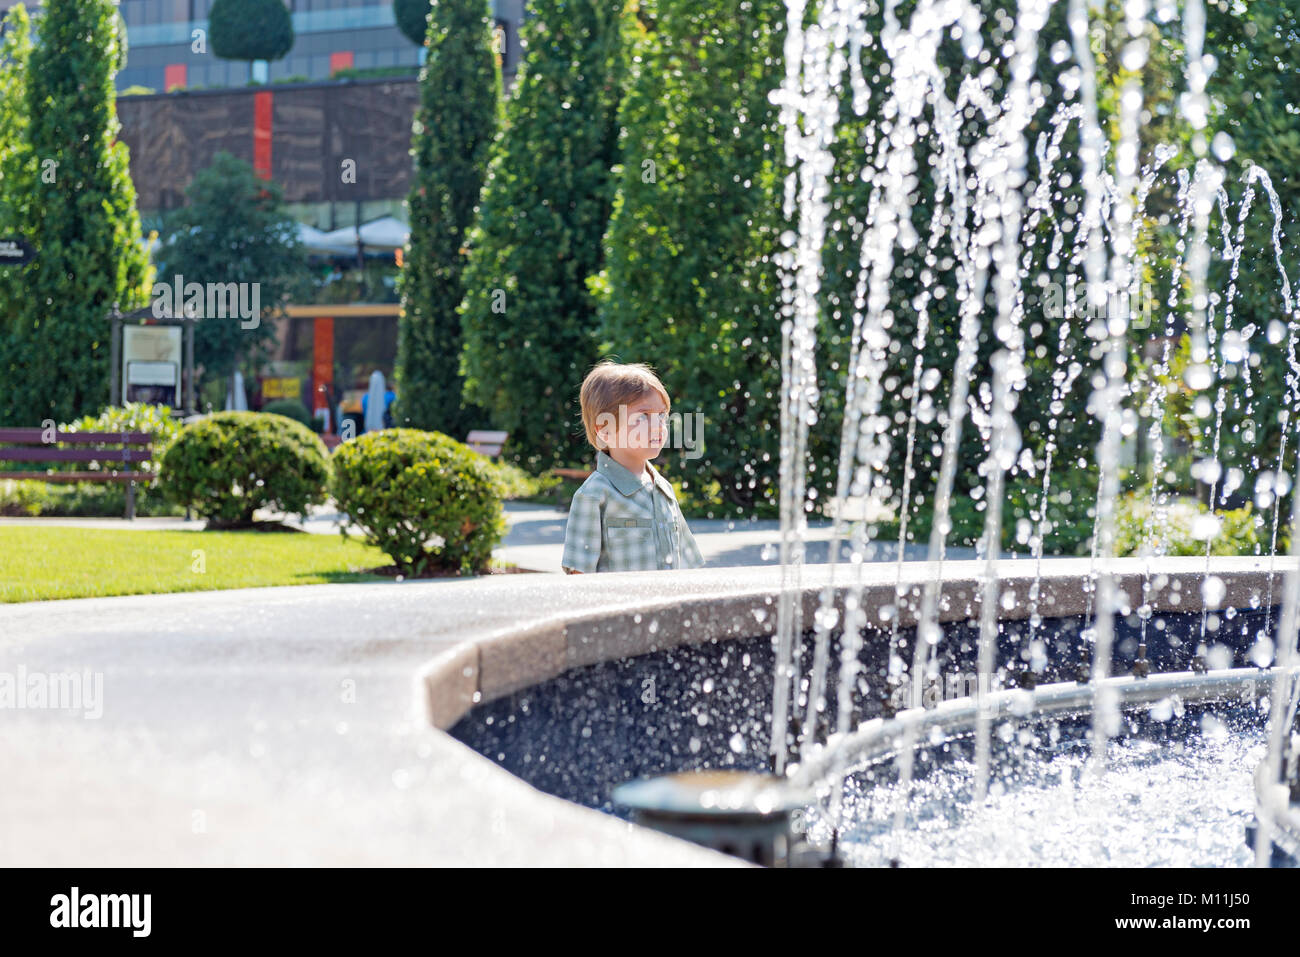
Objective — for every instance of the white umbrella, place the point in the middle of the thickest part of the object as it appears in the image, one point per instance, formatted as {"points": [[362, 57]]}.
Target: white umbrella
{"points": [[239, 401], [317, 241], [388, 232], [375, 403]]}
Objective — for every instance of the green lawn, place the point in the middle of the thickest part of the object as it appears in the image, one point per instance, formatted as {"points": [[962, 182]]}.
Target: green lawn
{"points": [[40, 563]]}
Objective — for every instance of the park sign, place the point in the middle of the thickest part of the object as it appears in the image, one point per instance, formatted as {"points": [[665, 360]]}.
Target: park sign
{"points": [[15, 252]]}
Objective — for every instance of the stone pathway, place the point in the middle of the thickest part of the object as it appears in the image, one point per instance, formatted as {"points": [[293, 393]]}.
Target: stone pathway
{"points": [[284, 727], [535, 540]]}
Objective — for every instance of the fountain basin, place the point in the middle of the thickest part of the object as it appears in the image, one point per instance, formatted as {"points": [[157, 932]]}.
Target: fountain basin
{"points": [[578, 707]]}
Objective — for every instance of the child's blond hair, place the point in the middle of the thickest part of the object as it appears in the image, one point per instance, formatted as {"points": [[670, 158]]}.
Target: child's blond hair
{"points": [[612, 384]]}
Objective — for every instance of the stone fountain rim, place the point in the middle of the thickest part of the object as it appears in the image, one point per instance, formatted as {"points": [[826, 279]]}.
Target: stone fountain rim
{"points": [[492, 665]]}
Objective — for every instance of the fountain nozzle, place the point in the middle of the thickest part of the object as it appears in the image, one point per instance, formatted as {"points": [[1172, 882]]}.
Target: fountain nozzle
{"points": [[746, 814]]}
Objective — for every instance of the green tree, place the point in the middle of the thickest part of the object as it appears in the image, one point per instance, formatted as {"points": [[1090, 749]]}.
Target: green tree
{"points": [[460, 107], [233, 229], [1255, 95], [250, 29], [528, 318], [15, 190], [75, 198], [690, 285]]}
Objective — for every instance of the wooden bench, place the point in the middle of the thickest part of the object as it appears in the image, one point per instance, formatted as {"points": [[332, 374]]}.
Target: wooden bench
{"points": [[487, 443], [30, 445]]}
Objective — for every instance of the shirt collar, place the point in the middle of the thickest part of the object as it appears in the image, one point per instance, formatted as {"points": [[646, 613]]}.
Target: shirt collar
{"points": [[624, 480]]}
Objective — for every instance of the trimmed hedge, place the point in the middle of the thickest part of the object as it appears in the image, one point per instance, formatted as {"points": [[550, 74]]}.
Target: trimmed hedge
{"points": [[230, 464], [428, 501], [290, 409]]}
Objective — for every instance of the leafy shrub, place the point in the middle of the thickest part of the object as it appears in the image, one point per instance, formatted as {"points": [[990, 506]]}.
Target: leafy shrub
{"points": [[157, 420], [427, 500], [518, 484], [21, 499], [31, 498], [290, 409], [226, 466], [1186, 526]]}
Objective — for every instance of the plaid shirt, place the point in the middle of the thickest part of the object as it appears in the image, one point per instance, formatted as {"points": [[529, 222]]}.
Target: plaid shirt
{"points": [[619, 524]]}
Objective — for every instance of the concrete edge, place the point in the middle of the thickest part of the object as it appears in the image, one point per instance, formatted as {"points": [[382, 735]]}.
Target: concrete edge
{"points": [[490, 666]]}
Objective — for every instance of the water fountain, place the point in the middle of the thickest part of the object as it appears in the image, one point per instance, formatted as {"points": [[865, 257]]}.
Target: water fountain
{"points": [[863, 662], [987, 185]]}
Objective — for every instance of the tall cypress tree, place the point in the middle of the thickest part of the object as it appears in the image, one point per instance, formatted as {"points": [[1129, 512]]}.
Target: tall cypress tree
{"points": [[15, 190], [528, 318], [691, 284], [460, 105], [82, 220]]}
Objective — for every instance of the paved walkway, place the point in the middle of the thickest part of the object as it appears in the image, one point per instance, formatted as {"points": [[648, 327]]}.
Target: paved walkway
{"points": [[283, 727], [535, 539]]}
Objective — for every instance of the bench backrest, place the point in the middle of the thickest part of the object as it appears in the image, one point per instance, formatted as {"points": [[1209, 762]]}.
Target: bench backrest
{"points": [[29, 445], [487, 443]]}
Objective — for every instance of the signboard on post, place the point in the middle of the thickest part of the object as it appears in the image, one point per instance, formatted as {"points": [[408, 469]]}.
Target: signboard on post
{"points": [[151, 365], [15, 251]]}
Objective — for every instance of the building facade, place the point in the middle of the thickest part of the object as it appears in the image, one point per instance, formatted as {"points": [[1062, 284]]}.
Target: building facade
{"points": [[339, 148], [165, 52]]}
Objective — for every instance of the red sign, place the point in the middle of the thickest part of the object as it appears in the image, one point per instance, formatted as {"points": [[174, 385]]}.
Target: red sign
{"points": [[262, 105], [322, 366]]}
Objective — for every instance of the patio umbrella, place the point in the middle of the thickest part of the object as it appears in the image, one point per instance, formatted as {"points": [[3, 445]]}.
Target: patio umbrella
{"points": [[375, 403], [239, 401]]}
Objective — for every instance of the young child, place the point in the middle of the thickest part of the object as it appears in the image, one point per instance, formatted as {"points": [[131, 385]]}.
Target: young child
{"points": [[625, 517]]}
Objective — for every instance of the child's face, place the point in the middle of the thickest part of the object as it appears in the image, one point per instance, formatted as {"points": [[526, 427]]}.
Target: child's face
{"points": [[640, 427]]}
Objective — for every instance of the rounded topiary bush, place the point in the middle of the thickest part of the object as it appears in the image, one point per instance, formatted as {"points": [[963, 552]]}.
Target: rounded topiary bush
{"points": [[412, 18], [290, 409], [227, 465], [250, 29], [426, 500]]}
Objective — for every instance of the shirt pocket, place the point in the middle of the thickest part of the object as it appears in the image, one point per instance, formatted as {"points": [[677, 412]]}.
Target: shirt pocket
{"points": [[631, 547]]}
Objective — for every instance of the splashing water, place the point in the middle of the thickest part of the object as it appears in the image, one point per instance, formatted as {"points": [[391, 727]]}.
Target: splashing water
{"points": [[991, 209]]}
